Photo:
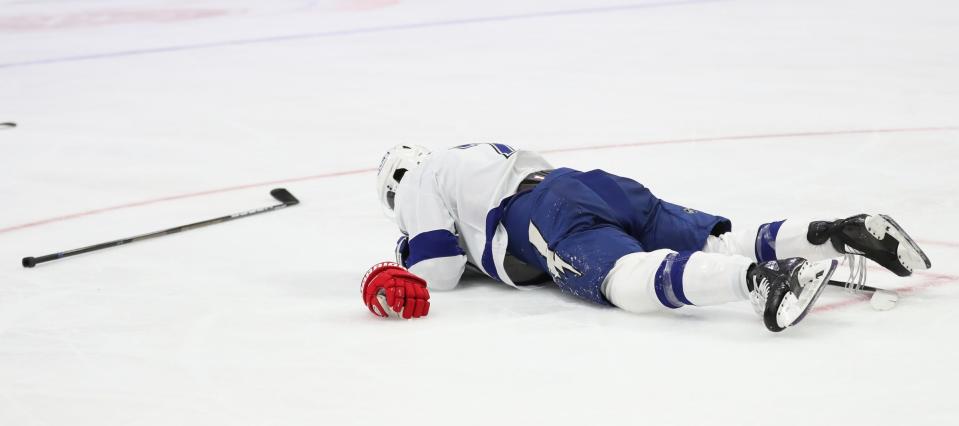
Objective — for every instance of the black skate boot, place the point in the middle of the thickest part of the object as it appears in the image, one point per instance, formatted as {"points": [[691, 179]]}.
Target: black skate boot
{"points": [[783, 291], [877, 237]]}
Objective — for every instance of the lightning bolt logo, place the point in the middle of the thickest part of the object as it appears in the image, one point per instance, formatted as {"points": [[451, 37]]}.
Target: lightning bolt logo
{"points": [[557, 266]]}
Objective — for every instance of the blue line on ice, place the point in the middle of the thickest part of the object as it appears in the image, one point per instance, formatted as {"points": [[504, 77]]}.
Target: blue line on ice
{"points": [[367, 30]]}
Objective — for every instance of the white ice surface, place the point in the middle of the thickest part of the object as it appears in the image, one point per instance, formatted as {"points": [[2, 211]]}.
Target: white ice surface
{"points": [[259, 321]]}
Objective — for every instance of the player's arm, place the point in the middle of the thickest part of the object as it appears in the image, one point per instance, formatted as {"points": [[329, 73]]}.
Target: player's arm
{"points": [[432, 250], [437, 257]]}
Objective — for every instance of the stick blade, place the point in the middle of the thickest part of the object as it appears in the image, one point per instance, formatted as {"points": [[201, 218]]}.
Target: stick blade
{"points": [[884, 300], [284, 196]]}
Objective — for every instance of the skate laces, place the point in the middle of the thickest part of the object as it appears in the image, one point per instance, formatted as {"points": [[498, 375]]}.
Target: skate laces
{"points": [[857, 269], [759, 295], [759, 292]]}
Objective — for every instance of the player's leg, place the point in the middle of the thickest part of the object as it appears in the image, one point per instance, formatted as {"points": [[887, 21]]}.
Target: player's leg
{"points": [[655, 223], [607, 266], [660, 224], [781, 291], [771, 241], [586, 264], [581, 227], [876, 237], [665, 279], [578, 225]]}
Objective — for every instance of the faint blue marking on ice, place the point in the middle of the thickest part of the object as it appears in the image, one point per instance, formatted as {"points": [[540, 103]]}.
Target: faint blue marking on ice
{"points": [[356, 31]]}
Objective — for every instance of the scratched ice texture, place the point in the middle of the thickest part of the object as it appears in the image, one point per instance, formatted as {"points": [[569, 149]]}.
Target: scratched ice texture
{"points": [[134, 116]]}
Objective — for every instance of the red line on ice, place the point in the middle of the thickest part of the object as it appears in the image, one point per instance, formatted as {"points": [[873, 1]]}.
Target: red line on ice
{"points": [[178, 197], [934, 280], [761, 136], [583, 148], [99, 18]]}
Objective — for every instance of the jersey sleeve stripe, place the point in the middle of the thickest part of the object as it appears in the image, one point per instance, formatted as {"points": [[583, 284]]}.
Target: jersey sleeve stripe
{"points": [[431, 245]]}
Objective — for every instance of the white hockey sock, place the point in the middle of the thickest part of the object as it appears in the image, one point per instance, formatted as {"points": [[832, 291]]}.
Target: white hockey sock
{"points": [[791, 241], [771, 241], [742, 243], [664, 279]]}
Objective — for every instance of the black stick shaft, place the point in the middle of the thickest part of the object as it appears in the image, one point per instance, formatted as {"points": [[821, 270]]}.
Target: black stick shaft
{"points": [[279, 193], [863, 288]]}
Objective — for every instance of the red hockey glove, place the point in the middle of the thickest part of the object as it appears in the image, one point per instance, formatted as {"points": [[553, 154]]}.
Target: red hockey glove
{"points": [[401, 291]]}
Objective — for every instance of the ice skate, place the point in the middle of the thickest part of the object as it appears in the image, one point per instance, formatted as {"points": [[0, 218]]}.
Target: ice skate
{"points": [[877, 237], [783, 291]]}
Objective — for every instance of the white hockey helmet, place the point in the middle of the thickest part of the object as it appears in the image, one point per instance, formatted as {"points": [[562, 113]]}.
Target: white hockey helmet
{"points": [[394, 165]]}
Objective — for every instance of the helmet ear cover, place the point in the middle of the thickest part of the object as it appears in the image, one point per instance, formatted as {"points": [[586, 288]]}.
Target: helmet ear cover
{"points": [[391, 199], [391, 194]]}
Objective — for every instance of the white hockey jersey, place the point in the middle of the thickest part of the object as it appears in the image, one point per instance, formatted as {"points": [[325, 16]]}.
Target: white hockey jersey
{"points": [[449, 209]]}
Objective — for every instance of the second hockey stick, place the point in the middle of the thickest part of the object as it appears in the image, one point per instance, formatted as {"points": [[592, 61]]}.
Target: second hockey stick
{"points": [[881, 299], [280, 194]]}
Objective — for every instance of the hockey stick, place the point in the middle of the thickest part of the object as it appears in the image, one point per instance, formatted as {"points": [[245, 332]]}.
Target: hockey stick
{"points": [[282, 195], [881, 299], [7, 125]]}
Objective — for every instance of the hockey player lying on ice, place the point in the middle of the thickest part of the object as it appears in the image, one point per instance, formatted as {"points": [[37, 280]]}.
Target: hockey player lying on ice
{"points": [[603, 238]]}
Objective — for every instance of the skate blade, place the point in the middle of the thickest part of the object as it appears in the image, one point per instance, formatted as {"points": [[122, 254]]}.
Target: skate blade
{"points": [[814, 277], [910, 255]]}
